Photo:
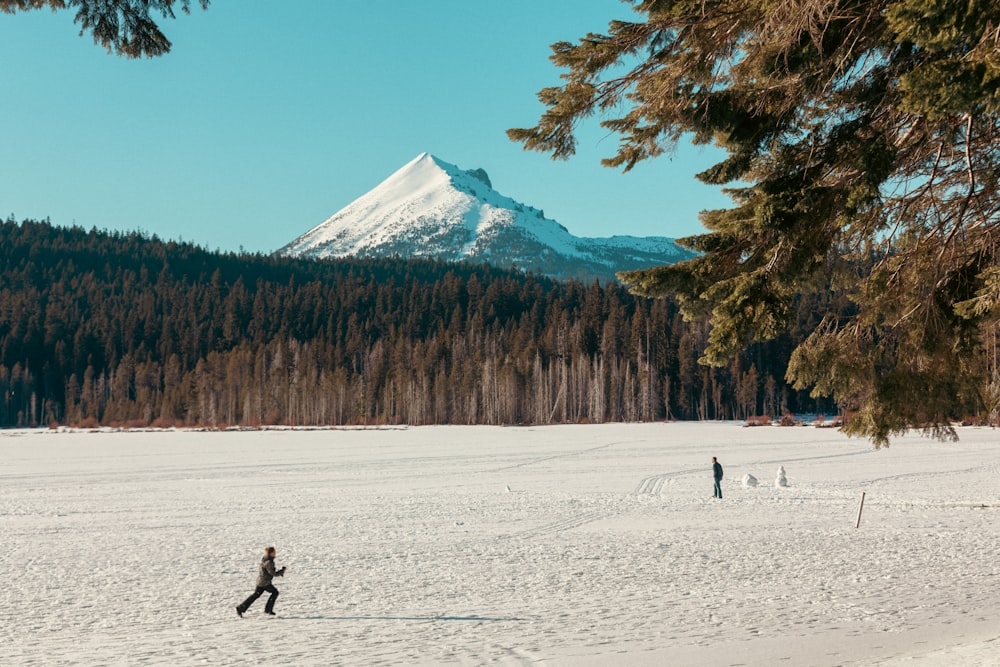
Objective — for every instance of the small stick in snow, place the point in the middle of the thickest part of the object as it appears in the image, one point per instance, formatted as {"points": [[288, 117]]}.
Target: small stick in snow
{"points": [[860, 510]]}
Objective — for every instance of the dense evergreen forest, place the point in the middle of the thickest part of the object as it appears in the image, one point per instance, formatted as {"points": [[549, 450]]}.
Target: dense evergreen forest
{"points": [[126, 329]]}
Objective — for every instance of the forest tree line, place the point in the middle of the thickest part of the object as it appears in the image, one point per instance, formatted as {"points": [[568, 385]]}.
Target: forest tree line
{"points": [[100, 328]]}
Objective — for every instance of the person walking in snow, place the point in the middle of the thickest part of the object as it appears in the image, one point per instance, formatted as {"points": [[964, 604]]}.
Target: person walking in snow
{"points": [[265, 574], [717, 473]]}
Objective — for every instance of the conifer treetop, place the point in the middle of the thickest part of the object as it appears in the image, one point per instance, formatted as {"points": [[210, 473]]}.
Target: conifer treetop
{"points": [[124, 27]]}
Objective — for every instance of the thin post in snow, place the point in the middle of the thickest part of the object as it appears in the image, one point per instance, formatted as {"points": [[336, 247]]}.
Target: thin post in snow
{"points": [[861, 509]]}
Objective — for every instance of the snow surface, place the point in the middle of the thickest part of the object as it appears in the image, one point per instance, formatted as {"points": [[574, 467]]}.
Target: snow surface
{"points": [[431, 208], [406, 547]]}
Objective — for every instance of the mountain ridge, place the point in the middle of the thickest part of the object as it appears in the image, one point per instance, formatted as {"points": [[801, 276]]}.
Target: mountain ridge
{"points": [[432, 208]]}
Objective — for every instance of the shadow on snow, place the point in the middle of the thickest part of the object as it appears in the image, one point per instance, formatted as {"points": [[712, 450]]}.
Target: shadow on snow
{"points": [[479, 619]]}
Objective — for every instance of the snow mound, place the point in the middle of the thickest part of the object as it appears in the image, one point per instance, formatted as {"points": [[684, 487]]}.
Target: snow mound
{"points": [[749, 481]]}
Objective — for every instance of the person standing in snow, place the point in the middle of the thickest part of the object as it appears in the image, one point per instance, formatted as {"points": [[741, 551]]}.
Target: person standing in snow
{"points": [[265, 574], [717, 473]]}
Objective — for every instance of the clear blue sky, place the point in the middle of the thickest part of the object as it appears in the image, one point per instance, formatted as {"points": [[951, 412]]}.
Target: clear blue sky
{"points": [[268, 117]]}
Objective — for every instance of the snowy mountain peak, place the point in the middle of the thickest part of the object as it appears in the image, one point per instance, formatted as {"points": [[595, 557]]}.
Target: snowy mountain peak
{"points": [[426, 168], [432, 208]]}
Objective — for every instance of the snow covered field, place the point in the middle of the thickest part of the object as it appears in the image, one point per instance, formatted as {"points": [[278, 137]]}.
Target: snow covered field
{"points": [[404, 547]]}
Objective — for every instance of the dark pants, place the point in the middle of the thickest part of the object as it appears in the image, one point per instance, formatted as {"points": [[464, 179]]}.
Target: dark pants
{"points": [[718, 488], [269, 607]]}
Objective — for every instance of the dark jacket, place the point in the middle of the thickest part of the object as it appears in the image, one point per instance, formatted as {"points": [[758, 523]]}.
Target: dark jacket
{"points": [[267, 572], [717, 471]]}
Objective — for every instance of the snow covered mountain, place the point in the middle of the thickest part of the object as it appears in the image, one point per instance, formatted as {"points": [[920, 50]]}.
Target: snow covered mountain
{"points": [[431, 208]]}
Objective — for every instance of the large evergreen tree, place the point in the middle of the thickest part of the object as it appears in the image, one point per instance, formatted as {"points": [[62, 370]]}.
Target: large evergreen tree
{"points": [[125, 27], [863, 139]]}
